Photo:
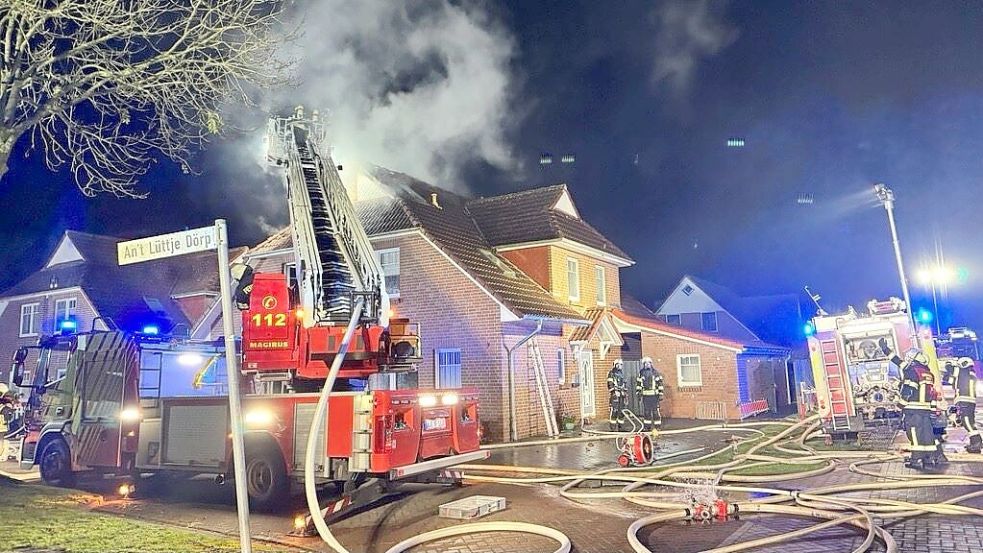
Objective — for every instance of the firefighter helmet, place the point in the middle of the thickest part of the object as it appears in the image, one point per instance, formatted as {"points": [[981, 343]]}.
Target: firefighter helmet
{"points": [[646, 361], [915, 355], [965, 362], [619, 363]]}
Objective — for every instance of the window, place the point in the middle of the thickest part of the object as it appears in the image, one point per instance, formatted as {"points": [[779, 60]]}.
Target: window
{"points": [[561, 365], [30, 315], [688, 290], [672, 319], [688, 370], [448, 373], [573, 279], [389, 259], [64, 310], [602, 293], [708, 321], [290, 269]]}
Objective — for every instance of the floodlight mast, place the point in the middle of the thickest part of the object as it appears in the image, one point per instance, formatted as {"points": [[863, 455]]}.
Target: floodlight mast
{"points": [[886, 196]]}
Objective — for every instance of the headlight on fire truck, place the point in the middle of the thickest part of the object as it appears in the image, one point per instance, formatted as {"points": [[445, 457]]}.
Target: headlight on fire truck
{"points": [[449, 399], [428, 400], [130, 414], [259, 418]]}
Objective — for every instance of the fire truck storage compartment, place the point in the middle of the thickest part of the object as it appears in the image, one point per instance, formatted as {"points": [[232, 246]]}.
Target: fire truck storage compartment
{"points": [[195, 432]]}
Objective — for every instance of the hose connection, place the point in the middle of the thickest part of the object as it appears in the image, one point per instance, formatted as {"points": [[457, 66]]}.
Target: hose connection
{"points": [[705, 513]]}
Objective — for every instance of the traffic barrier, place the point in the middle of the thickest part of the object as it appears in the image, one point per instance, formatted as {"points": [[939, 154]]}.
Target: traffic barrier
{"points": [[753, 408]]}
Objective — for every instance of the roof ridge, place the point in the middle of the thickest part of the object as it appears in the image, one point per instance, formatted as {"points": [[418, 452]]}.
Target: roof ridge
{"points": [[517, 193], [93, 235]]}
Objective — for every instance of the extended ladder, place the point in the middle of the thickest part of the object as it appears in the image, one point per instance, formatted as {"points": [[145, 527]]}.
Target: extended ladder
{"points": [[836, 385], [543, 388], [335, 257]]}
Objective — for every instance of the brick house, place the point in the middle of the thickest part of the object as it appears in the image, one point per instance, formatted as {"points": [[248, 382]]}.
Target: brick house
{"points": [[81, 282], [765, 321], [481, 275]]}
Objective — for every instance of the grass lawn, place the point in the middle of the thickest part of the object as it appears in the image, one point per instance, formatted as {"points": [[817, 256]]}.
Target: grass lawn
{"points": [[41, 519]]}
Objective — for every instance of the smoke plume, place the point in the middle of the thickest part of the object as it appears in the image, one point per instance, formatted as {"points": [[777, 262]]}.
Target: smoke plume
{"points": [[421, 87], [687, 33]]}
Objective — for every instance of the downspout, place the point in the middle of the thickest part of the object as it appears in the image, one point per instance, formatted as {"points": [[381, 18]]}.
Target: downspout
{"points": [[513, 431]]}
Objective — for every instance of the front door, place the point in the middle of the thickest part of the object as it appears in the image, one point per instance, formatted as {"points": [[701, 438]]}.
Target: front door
{"points": [[588, 405]]}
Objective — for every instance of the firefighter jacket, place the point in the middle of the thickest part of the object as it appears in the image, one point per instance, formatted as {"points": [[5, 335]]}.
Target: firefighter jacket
{"points": [[650, 383], [917, 387], [963, 381], [616, 382]]}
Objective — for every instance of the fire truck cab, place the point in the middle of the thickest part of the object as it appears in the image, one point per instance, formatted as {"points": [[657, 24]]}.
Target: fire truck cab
{"points": [[856, 383]]}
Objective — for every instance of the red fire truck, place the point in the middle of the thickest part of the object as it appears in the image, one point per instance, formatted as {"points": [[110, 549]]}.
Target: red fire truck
{"points": [[132, 403], [856, 383]]}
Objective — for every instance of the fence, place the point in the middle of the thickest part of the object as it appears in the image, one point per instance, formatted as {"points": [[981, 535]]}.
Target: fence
{"points": [[753, 408]]}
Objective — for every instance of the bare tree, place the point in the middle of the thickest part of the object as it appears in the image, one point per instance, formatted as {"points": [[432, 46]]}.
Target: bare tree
{"points": [[106, 86]]}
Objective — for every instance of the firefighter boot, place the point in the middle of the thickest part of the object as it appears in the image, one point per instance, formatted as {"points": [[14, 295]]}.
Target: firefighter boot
{"points": [[975, 444], [914, 463]]}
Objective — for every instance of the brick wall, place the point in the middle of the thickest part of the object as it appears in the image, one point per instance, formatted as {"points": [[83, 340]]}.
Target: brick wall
{"points": [[588, 286], [10, 338], [530, 420], [534, 262], [719, 370]]}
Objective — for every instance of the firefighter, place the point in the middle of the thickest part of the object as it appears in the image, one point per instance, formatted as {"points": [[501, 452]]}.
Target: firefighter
{"points": [[918, 399], [617, 394], [961, 375], [651, 387]]}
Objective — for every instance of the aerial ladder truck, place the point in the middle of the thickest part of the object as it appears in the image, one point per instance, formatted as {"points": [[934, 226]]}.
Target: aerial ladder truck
{"points": [[139, 403]]}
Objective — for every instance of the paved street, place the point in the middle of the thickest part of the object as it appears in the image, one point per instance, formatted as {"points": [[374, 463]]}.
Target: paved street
{"points": [[594, 526]]}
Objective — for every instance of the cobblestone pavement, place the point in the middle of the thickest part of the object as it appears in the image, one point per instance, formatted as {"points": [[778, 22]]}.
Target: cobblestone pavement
{"points": [[595, 526]]}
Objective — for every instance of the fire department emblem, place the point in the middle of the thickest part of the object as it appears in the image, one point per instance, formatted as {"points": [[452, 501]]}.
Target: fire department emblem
{"points": [[269, 302]]}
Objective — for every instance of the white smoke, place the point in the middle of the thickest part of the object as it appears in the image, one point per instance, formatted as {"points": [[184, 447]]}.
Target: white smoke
{"points": [[688, 31], [421, 87]]}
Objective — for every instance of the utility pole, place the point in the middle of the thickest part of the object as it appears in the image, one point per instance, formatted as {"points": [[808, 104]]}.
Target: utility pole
{"points": [[886, 197]]}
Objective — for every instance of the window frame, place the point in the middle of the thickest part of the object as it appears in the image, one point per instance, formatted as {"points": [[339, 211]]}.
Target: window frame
{"points": [[378, 258], [574, 265], [35, 320], [288, 267], [679, 370], [601, 282], [678, 319], [436, 367], [561, 365], [716, 322], [69, 311]]}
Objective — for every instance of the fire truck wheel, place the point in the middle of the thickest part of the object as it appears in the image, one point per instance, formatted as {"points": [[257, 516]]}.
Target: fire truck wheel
{"points": [[56, 464], [266, 479]]}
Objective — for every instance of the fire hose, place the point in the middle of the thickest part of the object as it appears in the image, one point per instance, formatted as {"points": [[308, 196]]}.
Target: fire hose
{"points": [[310, 487], [814, 503]]}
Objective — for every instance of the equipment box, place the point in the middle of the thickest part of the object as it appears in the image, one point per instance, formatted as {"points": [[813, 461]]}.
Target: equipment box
{"points": [[472, 507]]}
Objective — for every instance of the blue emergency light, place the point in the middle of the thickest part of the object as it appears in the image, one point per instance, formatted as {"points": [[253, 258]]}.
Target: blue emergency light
{"points": [[151, 330], [808, 329], [924, 316], [68, 325]]}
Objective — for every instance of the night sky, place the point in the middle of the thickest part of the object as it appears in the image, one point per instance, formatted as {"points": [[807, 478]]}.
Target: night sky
{"points": [[828, 97]]}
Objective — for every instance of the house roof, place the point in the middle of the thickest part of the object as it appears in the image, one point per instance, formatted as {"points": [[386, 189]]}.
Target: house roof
{"points": [[532, 216], [631, 305], [454, 231], [656, 325], [772, 318], [131, 295]]}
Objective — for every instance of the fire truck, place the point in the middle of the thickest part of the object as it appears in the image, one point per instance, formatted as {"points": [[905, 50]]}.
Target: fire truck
{"points": [[134, 403], [857, 385]]}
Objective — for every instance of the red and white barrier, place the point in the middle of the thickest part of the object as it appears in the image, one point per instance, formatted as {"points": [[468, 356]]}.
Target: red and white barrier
{"points": [[753, 408]]}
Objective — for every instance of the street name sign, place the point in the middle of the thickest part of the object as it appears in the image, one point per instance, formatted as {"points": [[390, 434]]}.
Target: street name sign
{"points": [[167, 245]]}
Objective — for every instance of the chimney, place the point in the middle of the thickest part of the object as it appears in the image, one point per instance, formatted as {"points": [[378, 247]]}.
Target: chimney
{"points": [[433, 200]]}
